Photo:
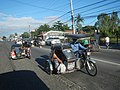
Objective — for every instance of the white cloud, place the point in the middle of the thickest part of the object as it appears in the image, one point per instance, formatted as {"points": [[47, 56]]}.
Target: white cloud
{"points": [[10, 24], [51, 17]]}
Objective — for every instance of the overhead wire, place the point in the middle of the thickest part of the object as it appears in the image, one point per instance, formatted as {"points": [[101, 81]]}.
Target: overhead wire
{"points": [[53, 2], [92, 16], [78, 9], [102, 10], [73, 10], [99, 6], [64, 5], [95, 8], [28, 4]]}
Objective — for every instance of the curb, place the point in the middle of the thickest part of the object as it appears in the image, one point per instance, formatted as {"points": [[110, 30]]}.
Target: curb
{"points": [[110, 49]]}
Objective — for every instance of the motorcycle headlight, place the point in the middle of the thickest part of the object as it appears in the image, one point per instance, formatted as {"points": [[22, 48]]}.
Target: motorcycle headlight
{"points": [[88, 53]]}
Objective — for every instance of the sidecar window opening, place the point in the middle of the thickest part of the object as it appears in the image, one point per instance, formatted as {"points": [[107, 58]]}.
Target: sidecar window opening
{"points": [[60, 54], [69, 54]]}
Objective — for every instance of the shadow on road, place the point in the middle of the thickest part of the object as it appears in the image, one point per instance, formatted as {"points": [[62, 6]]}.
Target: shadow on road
{"points": [[21, 80], [41, 61]]}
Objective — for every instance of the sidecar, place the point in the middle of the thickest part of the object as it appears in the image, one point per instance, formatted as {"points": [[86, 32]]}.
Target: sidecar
{"points": [[66, 55], [17, 52]]}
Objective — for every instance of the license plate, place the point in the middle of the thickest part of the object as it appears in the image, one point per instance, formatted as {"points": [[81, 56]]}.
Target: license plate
{"points": [[71, 65]]}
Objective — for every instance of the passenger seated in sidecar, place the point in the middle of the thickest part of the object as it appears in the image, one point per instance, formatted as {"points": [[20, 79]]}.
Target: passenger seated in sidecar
{"points": [[62, 55], [57, 58]]}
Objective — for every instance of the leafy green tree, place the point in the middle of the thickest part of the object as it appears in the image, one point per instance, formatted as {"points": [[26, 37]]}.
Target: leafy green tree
{"points": [[59, 26], [25, 35], [16, 34], [108, 25], [11, 36], [89, 29], [43, 28], [103, 23], [114, 22], [34, 34], [4, 37], [65, 27]]}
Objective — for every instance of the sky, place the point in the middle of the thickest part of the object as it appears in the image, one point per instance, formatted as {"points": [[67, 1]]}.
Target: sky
{"points": [[19, 16]]}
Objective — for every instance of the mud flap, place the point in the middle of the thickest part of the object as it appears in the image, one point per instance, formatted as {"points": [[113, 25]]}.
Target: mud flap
{"points": [[78, 64]]}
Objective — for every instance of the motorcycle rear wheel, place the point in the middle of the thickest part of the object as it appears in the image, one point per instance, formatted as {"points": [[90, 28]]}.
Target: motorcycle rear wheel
{"points": [[91, 69]]}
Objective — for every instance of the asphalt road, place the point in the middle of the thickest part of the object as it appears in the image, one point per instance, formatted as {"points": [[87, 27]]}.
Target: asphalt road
{"points": [[29, 74], [108, 64], [108, 77]]}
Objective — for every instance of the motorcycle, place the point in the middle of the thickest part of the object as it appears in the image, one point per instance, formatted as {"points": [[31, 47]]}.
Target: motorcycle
{"points": [[86, 62], [28, 52], [84, 56], [107, 45]]}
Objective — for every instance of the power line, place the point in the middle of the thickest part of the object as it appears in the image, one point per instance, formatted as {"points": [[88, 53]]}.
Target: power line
{"points": [[53, 2], [103, 10], [90, 22], [99, 6], [92, 16], [64, 5], [90, 5], [28, 4], [78, 9], [58, 17]]}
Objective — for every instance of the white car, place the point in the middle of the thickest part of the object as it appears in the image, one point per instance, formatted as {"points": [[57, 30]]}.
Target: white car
{"points": [[42, 43], [51, 41]]}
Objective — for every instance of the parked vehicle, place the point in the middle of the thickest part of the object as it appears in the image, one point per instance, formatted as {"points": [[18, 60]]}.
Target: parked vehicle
{"points": [[36, 43], [17, 52], [52, 41], [42, 42]]}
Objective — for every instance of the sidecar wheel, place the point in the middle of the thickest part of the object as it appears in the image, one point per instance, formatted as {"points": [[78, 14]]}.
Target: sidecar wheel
{"points": [[91, 69]]}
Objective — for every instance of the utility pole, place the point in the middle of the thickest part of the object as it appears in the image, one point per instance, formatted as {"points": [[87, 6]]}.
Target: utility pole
{"points": [[29, 31], [72, 16]]}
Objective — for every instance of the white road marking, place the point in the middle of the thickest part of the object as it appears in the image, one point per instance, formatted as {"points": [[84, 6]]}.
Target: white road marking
{"points": [[106, 61]]}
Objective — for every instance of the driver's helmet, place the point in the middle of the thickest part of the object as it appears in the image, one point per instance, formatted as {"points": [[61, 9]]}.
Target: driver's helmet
{"points": [[74, 39]]}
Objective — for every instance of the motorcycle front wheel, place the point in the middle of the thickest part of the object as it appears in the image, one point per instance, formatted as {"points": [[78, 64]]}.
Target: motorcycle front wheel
{"points": [[91, 68]]}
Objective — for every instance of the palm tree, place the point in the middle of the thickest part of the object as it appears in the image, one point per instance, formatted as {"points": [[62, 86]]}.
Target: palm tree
{"points": [[78, 21]]}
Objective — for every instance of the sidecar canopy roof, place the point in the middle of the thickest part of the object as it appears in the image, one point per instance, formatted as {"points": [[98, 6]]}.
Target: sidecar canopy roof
{"points": [[61, 46], [77, 36]]}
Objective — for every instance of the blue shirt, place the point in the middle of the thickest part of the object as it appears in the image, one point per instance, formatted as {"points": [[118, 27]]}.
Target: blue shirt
{"points": [[77, 46]]}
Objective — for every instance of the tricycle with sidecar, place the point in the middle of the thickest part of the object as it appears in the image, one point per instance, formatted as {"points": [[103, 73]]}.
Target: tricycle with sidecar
{"points": [[70, 61]]}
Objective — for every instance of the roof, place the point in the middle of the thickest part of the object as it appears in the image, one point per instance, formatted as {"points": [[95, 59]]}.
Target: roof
{"points": [[27, 39], [77, 36], [61, 46], [16, 45]]}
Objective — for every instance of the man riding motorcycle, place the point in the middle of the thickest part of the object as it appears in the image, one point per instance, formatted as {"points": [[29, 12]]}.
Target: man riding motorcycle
{"points": [[27, 50], [77, 47]]}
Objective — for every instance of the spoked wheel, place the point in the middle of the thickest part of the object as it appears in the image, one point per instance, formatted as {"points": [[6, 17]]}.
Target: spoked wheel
{"points": [[91, 68], [47, 68]]}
